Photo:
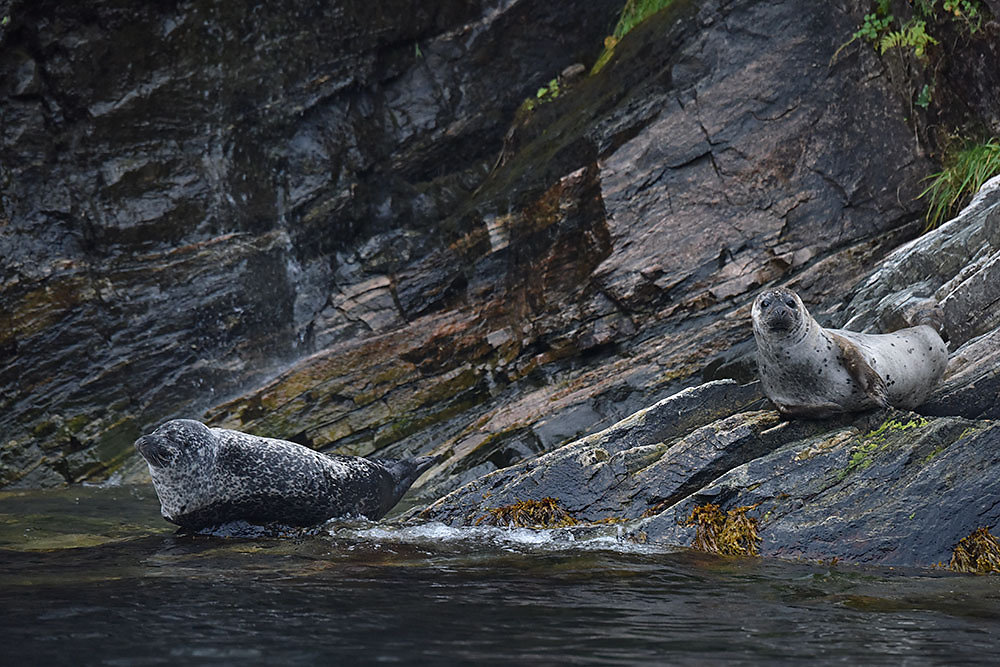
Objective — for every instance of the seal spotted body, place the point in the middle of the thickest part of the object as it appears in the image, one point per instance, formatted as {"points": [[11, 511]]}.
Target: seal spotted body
{"points": [[809, 371], [206, 477]]}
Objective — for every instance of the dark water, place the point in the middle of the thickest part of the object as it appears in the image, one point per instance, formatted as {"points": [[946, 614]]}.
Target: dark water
{"points": [[94, 576]]}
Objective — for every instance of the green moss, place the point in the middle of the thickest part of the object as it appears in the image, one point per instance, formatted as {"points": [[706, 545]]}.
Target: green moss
{"points": [[633, 13], [116, 443], [863, 455], [889, 425], [964, 173], [76, 424], [544, 513], [937, 450], [979, 553], [732, 533], [44, 429], [438, 403], [546, 93]]}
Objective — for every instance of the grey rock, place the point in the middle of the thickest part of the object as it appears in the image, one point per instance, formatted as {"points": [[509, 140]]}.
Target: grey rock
{"points": [[592, 475], [356, 241], [902, 497], [955, 268], [566, 425], [953, 265], [971, 386], [607, 260]]}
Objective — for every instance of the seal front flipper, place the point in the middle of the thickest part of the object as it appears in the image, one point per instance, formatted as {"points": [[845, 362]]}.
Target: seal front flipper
{"points": [[863, 375], [810, 411]]}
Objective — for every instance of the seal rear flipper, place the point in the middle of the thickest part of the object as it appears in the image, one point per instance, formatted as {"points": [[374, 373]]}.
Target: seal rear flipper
{"points": [[403, 473], [863, 374]]}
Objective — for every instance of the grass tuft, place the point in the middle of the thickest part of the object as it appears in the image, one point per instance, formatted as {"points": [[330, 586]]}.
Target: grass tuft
{"points": [[953, 187], [635, 12]]}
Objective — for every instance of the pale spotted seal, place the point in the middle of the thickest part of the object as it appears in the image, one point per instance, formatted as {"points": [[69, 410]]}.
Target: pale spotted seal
{"points": [[206, 477], [809, 371]]}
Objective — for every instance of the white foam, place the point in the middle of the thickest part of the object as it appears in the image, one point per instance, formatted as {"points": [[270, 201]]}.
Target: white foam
{"points": [[583, 538]]}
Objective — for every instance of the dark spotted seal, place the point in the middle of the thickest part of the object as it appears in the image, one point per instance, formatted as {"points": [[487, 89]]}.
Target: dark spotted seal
{"points": [[205, 477], [810, 371]]}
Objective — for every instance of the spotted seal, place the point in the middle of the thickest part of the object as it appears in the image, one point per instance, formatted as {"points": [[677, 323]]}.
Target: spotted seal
{"points": [[206, 477], [809, 371]]}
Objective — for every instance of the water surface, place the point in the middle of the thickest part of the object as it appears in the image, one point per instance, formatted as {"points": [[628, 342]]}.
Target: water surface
{"points": [[95, 576]]}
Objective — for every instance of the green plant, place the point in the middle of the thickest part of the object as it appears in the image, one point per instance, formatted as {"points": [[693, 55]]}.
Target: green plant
{"points": [[546, 93], [887, 32], [951, 188], [635, 12], [913, 34], [966, 11], [873, 26], [924, 97], [550, 91]]}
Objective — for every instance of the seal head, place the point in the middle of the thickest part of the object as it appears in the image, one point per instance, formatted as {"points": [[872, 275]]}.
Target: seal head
{"points": [[209, 476], [178, 443], [779, 313]]}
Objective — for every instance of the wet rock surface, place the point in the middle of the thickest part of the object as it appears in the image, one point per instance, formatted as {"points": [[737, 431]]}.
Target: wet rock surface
{"points": [[886, 487], [890, 488]]}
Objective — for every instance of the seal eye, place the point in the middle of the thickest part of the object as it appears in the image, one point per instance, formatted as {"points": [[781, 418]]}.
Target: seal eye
{"points": [[790, 302], [766, 303]]}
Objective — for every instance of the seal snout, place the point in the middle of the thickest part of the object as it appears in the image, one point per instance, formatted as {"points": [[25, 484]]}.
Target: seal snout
{"points": [[780, 319], [778, 310], [155, 451]]}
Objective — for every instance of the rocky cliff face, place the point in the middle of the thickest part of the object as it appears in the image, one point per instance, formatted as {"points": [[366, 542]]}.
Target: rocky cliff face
{"points": [[333, 226], [197, 194], [884, 486]]}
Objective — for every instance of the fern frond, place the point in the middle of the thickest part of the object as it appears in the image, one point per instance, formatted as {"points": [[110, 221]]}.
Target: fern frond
{"points": [[912, 35]]}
